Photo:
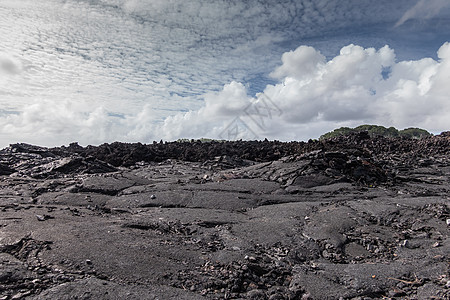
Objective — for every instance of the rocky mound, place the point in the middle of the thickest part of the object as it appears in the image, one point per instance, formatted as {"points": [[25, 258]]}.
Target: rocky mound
{"points": [[122, 154]]}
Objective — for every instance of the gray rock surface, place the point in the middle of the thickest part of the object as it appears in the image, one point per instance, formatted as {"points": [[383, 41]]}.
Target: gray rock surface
{"points": [[318, 225]]}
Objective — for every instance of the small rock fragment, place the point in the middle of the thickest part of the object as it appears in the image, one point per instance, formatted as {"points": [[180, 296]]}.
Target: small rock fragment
{"points": [[40, 218], [396, 292], [256, 294], [404, 243], [44, 217], [21, 295], [250, 258]]}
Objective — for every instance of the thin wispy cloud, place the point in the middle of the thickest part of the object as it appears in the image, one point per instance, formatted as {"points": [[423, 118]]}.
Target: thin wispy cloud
{"points": [[424, 9]]}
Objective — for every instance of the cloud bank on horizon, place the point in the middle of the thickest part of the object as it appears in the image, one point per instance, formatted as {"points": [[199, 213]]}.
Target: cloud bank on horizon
{"points": [[97, 71], [312, 96]]}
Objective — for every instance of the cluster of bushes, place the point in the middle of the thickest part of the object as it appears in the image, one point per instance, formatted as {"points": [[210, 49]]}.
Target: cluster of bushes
{"points": [[375, 130]]}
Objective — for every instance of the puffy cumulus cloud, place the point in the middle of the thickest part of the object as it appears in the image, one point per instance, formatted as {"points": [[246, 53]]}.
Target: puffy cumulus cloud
{"points": [[48, 123], [444, 52], [424, 9], [51, 123], [211, 120], [336, 90], [299, 63], [360, 85]]}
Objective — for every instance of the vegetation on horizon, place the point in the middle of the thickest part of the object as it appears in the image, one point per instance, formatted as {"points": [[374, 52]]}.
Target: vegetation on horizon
{"points": [[375, 130], [201, 140]]}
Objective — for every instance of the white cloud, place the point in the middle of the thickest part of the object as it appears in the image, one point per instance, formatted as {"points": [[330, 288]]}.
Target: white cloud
{"points": [[49, 123], [9, 65], [299, 63], [423, 9], [316, 95], [209, 121], [313, 96]]}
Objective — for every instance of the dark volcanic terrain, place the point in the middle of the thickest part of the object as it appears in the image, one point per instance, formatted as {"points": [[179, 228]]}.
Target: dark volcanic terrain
{"points": [[352, 217]]}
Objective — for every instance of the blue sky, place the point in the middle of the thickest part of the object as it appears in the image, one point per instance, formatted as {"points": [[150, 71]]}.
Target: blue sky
{"points": [[97, 71]]}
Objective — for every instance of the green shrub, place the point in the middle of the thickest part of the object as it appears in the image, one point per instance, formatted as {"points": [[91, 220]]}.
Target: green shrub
{"points": [[375, 130]]}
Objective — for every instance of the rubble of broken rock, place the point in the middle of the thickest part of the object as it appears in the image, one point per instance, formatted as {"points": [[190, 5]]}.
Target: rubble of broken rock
{"points": [[353, 217]]}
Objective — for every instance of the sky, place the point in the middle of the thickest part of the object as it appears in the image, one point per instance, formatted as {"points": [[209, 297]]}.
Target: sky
{"points": [[96, 71]]}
